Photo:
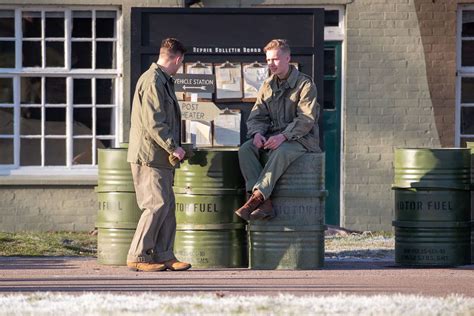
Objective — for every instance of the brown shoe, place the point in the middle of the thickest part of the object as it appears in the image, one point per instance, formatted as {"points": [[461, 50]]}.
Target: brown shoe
{"points": [[146, 266], [255, 200], [264, 211], [175, 265]]}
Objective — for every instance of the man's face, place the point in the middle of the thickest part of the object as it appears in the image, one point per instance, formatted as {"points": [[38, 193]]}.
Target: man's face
{"points": [[278, 62]]}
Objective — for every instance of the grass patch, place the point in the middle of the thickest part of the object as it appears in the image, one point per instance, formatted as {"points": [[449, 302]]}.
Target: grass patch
{"points": [[48, 244]]}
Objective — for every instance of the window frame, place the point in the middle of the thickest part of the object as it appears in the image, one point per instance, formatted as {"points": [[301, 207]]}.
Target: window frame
{"points": [[68, 170]]}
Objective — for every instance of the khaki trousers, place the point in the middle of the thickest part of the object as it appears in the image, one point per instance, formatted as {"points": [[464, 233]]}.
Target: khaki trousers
{"points": [[154, 238], [265, 177]]}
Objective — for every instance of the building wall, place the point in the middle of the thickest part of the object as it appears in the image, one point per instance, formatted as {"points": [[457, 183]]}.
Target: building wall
{"points": [[400, 92]]}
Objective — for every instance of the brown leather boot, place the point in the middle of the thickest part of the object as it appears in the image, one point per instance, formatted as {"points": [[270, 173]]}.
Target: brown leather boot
{"points": [[146, 266], [255, 200], [264, 211], [175, 265]]}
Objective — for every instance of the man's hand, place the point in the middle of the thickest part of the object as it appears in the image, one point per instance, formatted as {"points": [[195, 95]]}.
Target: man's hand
{"points": [[179, 153], [259, 140], [274, 142]]}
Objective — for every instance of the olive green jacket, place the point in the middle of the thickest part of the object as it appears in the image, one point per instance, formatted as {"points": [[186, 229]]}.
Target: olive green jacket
{"points": [[290, 109], [156, 120]]}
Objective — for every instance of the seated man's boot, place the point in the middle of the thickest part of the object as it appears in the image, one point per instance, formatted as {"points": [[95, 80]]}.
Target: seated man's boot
{"points": [[255, 201], [175, 265], [264, 211], [146, 266]]}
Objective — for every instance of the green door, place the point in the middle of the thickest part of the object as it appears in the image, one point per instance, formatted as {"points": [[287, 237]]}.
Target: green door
{"points": [[332, 128]]}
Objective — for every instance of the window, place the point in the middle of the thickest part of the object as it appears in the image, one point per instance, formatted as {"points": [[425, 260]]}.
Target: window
{"points": [[59, 88]]}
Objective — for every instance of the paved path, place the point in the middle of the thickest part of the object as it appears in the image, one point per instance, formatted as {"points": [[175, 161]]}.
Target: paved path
{"points": [[74, 275]]}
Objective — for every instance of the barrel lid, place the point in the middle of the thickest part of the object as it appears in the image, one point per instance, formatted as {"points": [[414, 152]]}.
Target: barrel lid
{"points": [[431, 185], [285, 228], [130, 225], [226, 226], [430, 224]]}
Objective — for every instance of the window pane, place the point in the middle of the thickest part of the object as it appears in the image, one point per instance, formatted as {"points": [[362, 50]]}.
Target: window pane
{"points": [[6, 154], [104, 143], [31, 54], [467, 23], [30, 122], [55, 152], [55, 121], [30, 152], [55, 90], [81, 55], [7, 23], [54, 54], [331, 18], [82, 24], [104, 91], [105, 24], [82, 91], [329, 94], [54, 24], [329, 61], [31, 24], [6, 121], [467, 54], [82, 152], [105, 121], [82, 121], [7, 54], [6, 90], [105, 55], [467, 120], [467, 90], [31, 90]]}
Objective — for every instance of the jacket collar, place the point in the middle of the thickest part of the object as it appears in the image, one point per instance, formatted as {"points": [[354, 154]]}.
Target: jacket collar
{"points": [[164, 77], [291, 80]]}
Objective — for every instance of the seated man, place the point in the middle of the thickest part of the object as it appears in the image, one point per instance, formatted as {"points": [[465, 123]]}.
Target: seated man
{"points": [[284, 120]]}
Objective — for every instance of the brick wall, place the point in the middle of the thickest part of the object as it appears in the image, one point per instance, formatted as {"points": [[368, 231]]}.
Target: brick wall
{"points": [[400, 92], [47, 208]]}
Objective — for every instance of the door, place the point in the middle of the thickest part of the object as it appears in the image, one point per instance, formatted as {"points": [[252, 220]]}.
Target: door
{"points": [[332, 128]]}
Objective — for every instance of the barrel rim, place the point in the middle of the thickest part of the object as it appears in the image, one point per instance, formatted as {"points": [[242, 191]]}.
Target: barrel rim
{"points": [[226, 226], [286, 228], [430, 224]]}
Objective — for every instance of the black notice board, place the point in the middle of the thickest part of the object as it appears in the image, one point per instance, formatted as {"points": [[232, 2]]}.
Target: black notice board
{"points": [[234, 35]]}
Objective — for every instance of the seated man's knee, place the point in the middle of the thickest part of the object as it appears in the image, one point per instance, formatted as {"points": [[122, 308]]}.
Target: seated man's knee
{"points": [[247, 146]]}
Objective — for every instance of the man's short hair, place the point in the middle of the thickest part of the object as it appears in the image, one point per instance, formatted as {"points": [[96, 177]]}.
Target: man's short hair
{"points": [[172, 46], [278, 43]]}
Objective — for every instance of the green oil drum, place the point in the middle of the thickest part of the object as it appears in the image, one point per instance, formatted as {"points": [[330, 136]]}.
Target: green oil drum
{"points": [[208, 189], [114, 170], [432, 243], [294, 239], [113, 245], [118, 212], [432, 207], [212, 245], [432, 168]]}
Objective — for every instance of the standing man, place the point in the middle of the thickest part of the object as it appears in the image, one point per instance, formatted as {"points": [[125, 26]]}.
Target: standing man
{"points": [[154, 137], [284, 121]]}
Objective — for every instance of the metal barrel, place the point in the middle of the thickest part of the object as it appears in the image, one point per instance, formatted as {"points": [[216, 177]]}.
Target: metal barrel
{"points": [[114, 170], [470, 145], [213, 245], [294, 239], [447, 168], [208, 189], [432, 243], [118, 212], [432, 207], [113, 244]]}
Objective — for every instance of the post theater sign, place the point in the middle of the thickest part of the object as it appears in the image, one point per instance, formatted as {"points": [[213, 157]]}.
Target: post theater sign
{"points": [[226, 50]]}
